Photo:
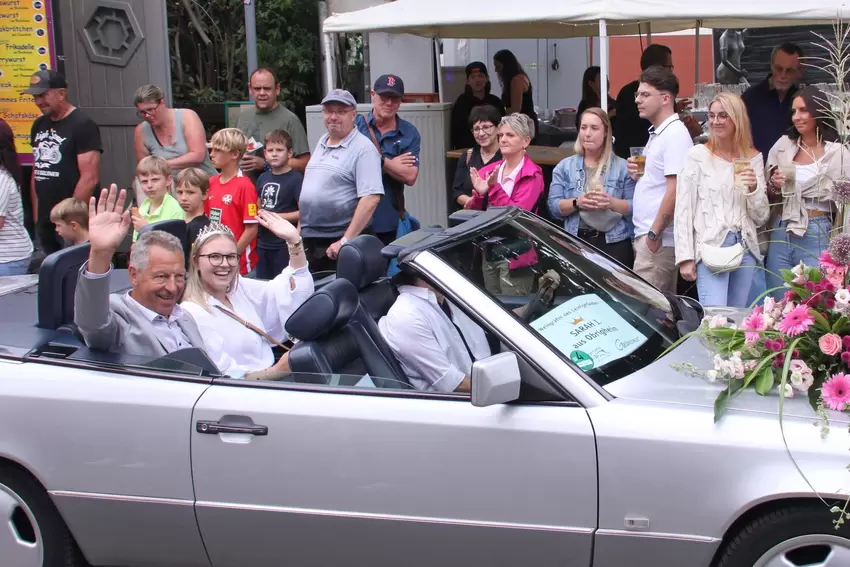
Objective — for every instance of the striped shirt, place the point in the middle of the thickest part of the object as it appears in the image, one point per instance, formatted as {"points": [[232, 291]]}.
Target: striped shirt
{"points": [[15, 243]]}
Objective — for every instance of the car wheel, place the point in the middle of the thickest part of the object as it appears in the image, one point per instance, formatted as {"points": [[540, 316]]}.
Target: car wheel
{"points": [[801, 536], [32, 534]]}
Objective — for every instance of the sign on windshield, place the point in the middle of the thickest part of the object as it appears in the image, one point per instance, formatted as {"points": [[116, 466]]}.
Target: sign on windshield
{"points": [[589, 331]]}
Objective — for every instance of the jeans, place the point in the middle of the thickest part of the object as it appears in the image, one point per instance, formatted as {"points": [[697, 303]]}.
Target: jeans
{"points": [[786, 250], [759, 285], [726, 289], [15, 267], [271, 262]]}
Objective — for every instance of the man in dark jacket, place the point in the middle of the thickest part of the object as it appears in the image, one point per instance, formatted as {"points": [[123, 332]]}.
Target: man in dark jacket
{"points": [[477, 93]]}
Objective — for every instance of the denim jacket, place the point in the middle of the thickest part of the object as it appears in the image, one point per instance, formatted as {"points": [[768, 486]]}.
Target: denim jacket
{"points": [[568, 182]]}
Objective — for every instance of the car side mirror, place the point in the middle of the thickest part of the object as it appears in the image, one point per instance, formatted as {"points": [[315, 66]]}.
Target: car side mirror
{"points": [[495, 380]]}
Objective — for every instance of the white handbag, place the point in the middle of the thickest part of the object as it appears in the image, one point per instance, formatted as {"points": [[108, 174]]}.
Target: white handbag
{"points": [[722, 259]]}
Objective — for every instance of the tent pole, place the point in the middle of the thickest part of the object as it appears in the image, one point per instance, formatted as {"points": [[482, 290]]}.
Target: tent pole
{"points": [[648, 33], [439, 67], [696, 56], [604, 63], [330, 75]]}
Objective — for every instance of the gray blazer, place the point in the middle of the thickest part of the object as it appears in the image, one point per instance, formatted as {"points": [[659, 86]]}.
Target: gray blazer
{"points": [[113, 323]]}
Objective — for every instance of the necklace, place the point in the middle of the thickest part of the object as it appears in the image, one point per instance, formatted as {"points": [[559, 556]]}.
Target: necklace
{"points": [[166, 132]]}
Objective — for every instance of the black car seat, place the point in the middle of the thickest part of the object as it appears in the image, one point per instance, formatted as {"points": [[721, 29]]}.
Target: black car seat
{"points": [[175, 227], [332, 342], [360, 261], [57, 284]]}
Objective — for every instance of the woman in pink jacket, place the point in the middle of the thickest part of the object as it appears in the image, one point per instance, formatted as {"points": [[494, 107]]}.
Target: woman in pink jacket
{"points": [[513, 181]]}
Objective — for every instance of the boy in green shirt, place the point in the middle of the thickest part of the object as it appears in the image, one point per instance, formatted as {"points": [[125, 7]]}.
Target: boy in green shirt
{"points": [[155, 180]]}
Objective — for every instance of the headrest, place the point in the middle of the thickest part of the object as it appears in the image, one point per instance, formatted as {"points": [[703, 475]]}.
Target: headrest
{"points": [[57, 282], [360, 261], [176, 227], [326, 310]]}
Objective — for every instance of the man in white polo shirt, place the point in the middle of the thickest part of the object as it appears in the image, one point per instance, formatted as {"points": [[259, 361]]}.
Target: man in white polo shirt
{"points": [[655, 193]]}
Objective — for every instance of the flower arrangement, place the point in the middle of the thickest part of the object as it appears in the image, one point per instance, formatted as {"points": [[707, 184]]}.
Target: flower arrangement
{"points": [[798, 345]]}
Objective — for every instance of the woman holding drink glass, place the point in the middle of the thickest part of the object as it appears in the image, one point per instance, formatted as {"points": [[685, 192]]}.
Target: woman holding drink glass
{"points": [[592, 191], [720, 203], [802, 167]]}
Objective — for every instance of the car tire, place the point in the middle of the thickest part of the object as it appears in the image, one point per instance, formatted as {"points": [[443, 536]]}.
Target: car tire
{"points": [[801, 535], [34, 518]]}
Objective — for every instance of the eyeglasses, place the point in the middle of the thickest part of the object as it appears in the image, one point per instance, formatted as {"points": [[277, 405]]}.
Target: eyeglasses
{"points": [[327, 112], [216, 259], [486, 129], [719, 117], [147, 112]]}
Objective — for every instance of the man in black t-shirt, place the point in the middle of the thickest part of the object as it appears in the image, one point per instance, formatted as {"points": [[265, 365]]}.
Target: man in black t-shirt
{"points": [[66, 153]]}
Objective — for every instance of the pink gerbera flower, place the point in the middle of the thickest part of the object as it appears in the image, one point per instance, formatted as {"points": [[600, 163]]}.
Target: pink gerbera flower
{"points": [[753, 322], [826, 261], [796, 322], [836, 392]]}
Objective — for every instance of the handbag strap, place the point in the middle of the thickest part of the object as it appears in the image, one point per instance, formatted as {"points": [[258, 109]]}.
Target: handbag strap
{"points": [[400, 200], [251, 326]]}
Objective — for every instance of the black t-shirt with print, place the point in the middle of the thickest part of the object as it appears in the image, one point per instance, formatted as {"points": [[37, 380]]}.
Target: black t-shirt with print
{"points": [[56, 145], [278, 194]]}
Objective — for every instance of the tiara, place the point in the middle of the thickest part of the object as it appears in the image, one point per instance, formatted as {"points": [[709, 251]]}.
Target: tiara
{"points": [[210, 229]]}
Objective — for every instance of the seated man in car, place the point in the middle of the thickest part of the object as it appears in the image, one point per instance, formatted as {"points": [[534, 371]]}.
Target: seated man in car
{"points": [[147, 320], [435, 342]]}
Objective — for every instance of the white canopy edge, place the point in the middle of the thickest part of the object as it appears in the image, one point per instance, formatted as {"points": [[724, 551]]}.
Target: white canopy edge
{"points": [[481, 19]]}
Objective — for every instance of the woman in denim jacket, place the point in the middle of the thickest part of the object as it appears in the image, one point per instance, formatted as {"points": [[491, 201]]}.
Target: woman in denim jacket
{"points": [[592, 191]]}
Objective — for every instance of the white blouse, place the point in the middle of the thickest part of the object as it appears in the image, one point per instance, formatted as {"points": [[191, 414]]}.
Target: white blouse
{"points": [[235, 348]]}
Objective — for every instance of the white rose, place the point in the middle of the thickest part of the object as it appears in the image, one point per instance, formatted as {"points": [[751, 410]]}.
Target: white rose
{"points": [[717, 322], [842, 296], [797, 379], [711, 375], [789, 391]]}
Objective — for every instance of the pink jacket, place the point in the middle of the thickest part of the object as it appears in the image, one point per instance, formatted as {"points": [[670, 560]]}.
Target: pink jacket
{"points": [[527, 188], [526, 194]]}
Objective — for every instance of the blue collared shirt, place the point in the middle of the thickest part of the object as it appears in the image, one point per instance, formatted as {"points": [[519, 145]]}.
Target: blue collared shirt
{"points": [[405, 138], [770, 117]]}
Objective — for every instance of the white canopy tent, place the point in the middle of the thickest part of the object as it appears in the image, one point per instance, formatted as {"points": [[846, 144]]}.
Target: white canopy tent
{"points": [[574, 18]]}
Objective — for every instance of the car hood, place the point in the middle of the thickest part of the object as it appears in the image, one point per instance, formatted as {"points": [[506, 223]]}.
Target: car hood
{"points": [[662, 382]]}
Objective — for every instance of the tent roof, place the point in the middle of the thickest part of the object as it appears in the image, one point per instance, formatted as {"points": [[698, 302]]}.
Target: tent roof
{"points": [[576, 18]]}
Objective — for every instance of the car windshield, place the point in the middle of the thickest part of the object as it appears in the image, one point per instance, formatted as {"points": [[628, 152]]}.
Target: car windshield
{"points": [[589, 309]]}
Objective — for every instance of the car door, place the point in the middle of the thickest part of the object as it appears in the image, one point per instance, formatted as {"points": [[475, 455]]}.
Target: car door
{"points": [[328, 475]]}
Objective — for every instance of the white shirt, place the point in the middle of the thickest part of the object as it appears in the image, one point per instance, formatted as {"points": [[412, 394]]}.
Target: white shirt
{"points": [[665, 155], [428, 346], [235, 348], [15, 243]]}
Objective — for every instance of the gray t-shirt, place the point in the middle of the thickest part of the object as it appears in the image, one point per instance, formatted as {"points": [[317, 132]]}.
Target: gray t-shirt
{"points": [[257, 124], [336, 177]]}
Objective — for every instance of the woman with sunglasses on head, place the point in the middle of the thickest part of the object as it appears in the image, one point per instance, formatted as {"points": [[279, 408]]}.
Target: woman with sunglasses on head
{"points": [[242, 319], [484, 125], [801, 168], [174, 134], [720, 203]]}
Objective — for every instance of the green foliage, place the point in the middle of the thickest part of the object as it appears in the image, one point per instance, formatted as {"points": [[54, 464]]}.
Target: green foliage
{"points": [[287, 43]]}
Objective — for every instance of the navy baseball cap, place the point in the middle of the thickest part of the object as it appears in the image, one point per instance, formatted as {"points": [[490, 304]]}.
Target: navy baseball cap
{"points": [[341, 96], [43, 81], [389, 85]]}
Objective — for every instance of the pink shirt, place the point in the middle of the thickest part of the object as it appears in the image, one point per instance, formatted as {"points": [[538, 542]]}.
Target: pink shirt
{"points": [[507, 180]]}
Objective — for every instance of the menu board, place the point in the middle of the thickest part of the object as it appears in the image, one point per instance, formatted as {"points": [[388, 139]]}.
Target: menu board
{"points": [[26, 45]]}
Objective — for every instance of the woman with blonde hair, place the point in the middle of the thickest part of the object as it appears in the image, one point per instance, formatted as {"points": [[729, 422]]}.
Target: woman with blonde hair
{"points": [[592, 191], [242, 319], [720, 203]]}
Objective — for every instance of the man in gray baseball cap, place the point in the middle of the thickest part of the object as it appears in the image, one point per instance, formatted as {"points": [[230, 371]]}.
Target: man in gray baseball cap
{"points": [[342, 184], [66, 150]]}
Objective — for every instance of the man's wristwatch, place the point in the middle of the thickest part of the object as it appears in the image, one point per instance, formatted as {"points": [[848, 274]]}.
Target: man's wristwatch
{"points": [[575, 205], [652, 236], [343, 240]]}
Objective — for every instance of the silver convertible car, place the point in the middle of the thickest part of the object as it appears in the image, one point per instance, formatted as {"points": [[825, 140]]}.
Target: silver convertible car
{"points": [[579, 445]]}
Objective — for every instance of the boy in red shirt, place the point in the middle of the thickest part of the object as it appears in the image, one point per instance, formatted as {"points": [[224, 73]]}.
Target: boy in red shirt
{"points": [[232, 198]]}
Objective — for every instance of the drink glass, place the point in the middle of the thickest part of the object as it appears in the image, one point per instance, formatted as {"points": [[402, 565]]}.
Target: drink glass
{"points": [[790, 174], [740, 165], [640, 159]]}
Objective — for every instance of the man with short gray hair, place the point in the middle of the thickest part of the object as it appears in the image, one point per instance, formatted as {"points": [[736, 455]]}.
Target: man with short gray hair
{"points": [[145, 321], [342, 184]]}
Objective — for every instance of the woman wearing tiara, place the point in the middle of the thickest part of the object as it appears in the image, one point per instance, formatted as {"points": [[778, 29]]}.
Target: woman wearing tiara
{"points": [[239, 318]]}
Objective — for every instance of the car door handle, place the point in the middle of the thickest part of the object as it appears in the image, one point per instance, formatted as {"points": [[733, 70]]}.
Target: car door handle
{"points": [[215, 427]]}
